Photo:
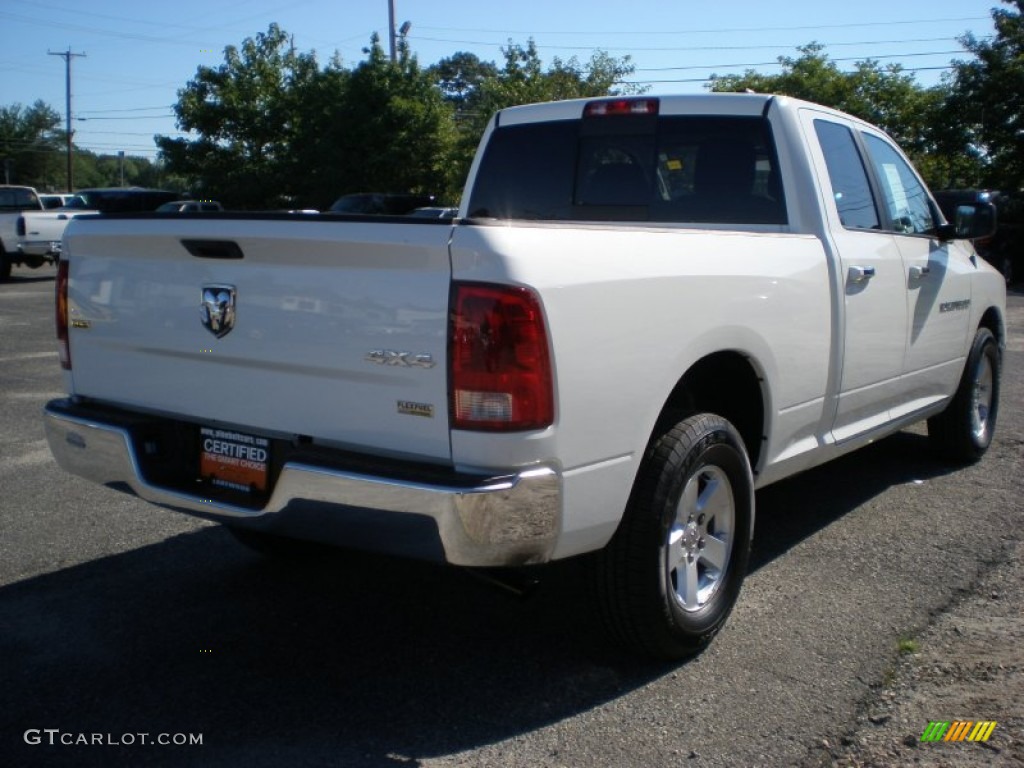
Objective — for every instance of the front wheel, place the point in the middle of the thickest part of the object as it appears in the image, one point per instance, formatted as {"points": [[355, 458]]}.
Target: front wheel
{"points": [[963, 432], [670, 576]]}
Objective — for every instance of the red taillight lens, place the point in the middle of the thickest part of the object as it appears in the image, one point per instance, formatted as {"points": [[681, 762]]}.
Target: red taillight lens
{"points": [[61, 290], [500, 367]]}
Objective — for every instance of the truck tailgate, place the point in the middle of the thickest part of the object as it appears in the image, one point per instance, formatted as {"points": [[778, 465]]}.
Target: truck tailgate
{"points": [[333, 330]]}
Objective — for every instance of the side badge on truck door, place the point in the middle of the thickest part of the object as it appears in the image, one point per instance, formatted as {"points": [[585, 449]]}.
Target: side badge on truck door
{"points": [[218, 309]]}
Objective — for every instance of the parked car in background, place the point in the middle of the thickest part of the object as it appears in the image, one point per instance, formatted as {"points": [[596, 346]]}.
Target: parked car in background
{"points": [[190, 206], [124, 199], [381, 204], [435, 212], [55, 200], [1005, 249]]}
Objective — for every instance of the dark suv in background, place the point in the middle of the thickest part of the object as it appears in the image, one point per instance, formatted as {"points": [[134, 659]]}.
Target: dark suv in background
{"points": [[1005, 249]]}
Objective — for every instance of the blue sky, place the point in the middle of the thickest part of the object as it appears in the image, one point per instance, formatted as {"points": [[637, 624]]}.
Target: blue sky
{"points": [[138, 54]]}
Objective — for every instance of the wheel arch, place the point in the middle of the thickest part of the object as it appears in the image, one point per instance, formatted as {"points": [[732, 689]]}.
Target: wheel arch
{"points": [[729, 384], [993, 320]]}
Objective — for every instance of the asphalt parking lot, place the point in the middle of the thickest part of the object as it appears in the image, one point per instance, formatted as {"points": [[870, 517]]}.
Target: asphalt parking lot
{"points": [[122, 619]]}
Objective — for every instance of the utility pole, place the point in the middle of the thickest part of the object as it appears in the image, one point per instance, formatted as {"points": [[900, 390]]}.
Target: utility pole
{"points": [[391, 30], [67, 56], [393, 34]]}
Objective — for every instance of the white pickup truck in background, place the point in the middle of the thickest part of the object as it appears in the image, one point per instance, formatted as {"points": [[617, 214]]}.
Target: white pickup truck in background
{"points": [[14, 202], [646, 309], [40, 234], [30, 234]]}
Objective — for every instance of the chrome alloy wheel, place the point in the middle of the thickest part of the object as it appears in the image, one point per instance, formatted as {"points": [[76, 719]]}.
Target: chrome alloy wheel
{"points": [[700, 539], [981, 399]]}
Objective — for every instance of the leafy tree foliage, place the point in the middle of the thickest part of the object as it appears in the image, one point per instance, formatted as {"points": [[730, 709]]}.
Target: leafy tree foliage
{"points": [[380, 127], [885, 96], [30, 146], [244, 114], [274, 130], [459, 78], [987, 99], [33, 148]]}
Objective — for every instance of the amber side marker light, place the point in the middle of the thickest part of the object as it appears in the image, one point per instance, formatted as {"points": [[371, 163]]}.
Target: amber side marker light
{"points": [[61, 305]]}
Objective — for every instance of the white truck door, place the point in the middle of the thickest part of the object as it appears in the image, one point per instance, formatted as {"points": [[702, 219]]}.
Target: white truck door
{"points": [[938, 282], [874, 305]]}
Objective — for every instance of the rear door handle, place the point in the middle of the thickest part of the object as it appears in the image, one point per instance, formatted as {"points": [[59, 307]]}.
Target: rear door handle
{"points": [[916, 273], [860, 274]]}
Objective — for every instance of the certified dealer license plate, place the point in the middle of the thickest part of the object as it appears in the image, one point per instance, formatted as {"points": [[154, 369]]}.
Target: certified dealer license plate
{"points": [[233, 460]]}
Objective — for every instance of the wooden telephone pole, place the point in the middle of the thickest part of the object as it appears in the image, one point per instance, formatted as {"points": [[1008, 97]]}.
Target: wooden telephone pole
{"points": [[67, 56]]}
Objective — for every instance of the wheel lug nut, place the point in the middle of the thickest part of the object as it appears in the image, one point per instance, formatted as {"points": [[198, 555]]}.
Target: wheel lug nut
{"points": [[700, 520], [689, 557], [700, 543]]}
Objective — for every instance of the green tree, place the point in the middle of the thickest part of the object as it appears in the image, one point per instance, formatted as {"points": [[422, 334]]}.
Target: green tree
{"points": [[885, 96], [274, 130], [31, 146], [382, 126], [987, 99], [243, 115], [459, 78]]}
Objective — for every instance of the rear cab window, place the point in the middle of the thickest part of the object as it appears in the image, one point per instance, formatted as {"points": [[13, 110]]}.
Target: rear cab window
{"points": [[643, 167]]}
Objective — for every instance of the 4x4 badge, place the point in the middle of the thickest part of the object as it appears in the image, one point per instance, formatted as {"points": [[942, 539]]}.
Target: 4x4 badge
{"points": [[218, 309]]}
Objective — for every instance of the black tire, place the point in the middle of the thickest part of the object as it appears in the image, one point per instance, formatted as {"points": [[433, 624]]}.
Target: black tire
{"points": [[273, 545], [963, 432], [663, 589], [5, 266]]}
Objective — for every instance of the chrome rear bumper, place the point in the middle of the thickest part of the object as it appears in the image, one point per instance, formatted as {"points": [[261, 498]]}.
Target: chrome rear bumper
{"points": [[506, 520]]}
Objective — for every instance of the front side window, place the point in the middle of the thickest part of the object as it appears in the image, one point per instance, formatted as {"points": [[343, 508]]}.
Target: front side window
{"points": [[905, 197]]}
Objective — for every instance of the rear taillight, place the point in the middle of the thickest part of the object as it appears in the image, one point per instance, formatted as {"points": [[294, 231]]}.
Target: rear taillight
{"points": [[61, 290], [500, 367], [21, 226]]}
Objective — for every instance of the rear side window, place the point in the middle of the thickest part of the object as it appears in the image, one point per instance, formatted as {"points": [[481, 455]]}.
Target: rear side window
{"points": [[19, 199], [849, 179], [664, 169]]}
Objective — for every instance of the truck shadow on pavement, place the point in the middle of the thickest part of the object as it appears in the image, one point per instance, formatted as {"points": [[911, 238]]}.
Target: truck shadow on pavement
{"points": [[341, 659], [794, 509]]}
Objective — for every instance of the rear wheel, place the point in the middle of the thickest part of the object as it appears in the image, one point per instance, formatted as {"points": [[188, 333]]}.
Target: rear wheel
{"points": [[5, 266], [671, 574], [963, 432]]}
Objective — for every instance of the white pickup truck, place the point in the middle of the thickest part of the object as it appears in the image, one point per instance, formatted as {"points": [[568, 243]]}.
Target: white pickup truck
{"points": [[40, 234], [30, 235], [14, 202], [646, 309]]}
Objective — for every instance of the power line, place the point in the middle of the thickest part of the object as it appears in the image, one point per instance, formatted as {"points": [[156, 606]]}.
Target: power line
{"points": [[775, 63], [579, 33]]}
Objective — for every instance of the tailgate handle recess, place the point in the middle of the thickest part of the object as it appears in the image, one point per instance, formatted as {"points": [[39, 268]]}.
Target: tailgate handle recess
{"points": [[213, 249]]}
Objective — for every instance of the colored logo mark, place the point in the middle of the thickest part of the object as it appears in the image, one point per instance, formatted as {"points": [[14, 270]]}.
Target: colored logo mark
{"points": [[958, 730]]}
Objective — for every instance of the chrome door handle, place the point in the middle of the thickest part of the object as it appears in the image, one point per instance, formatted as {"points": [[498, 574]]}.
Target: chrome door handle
{"points": [[860, 274], [916, 273]]}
